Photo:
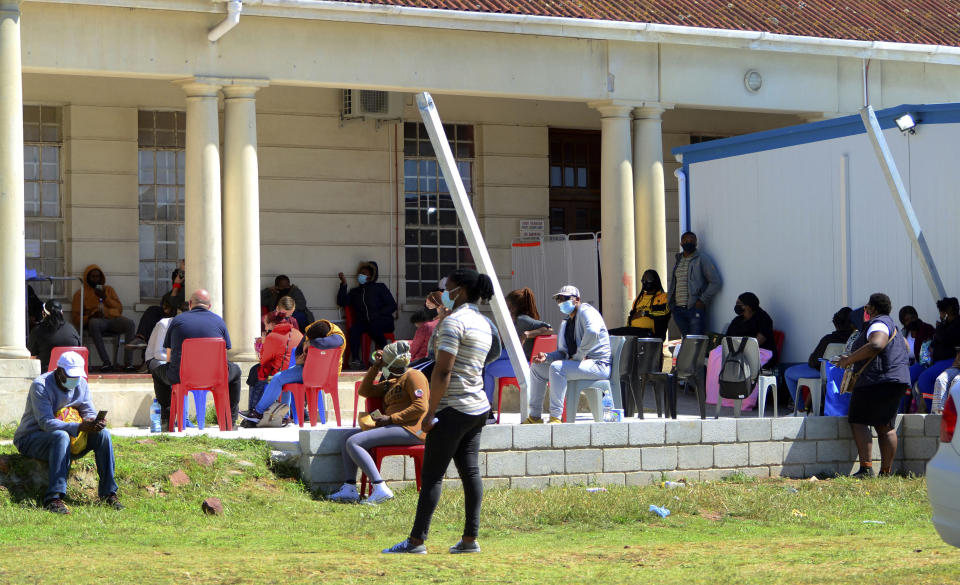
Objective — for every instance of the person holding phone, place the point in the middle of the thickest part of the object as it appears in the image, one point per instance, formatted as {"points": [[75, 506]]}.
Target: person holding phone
{"points": [[405, 393], [171, 302], [46, 432], [102, 314], [458, 409]]}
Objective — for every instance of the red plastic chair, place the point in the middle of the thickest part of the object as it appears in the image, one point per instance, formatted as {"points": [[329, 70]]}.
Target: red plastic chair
{"points": [[378, 453], [542, 343], [365, 341], [356, 400], [203, 368], [319, 375], [56, 352]]}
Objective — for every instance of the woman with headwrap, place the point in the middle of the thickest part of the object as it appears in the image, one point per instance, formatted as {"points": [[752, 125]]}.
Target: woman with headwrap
{"points": [[405, 393], [52, 332], [752, 321]]}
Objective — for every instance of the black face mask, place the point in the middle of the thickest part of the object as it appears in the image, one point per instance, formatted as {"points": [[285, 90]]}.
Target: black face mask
{"points": [[738, 309], [284, 291], [689, 247], [649, 286]]}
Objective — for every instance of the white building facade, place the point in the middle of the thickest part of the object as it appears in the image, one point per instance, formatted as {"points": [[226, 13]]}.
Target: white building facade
{"points": [[129, 139]]}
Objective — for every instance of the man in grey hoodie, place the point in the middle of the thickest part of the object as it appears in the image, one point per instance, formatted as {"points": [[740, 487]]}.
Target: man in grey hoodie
{"points": [[694, 281], [583, 353]]}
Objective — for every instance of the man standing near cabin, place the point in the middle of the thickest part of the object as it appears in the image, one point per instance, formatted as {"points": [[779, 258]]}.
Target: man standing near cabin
{"points": [[694, 281]]}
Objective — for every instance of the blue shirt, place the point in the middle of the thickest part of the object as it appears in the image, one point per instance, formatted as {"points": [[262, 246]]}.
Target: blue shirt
{"points": [[44, 399], [198, 322]]}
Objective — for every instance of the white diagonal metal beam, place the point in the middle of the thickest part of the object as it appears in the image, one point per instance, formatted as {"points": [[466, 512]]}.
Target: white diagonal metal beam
{"points": [[448, 165]]}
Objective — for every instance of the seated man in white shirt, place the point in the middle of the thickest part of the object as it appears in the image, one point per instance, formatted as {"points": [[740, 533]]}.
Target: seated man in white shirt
{"points": [[155, 355]]}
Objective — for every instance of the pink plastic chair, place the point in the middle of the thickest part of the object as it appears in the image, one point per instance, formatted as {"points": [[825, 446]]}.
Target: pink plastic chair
{"points": [[203, 367], [56, 352], [319, 375]]}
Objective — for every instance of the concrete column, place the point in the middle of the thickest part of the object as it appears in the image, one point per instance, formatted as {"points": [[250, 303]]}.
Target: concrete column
{"points": [[241, 218], [649, 192], [617, 242], [13, 331], [202, 235]]}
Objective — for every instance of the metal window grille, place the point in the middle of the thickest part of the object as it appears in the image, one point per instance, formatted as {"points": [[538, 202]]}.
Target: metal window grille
{"points": [[43, 189], [434, 243], [162, 156]]}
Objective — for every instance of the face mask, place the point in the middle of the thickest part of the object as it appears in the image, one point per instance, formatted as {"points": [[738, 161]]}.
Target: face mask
{"points": [[649, 285], [446, 300], [385, 370], [738, 309], [71, 383], [567, 306], [362, 278], [689, 247]]}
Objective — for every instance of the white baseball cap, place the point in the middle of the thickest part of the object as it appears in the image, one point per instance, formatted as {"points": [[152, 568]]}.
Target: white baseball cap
{"points": [[567, 291], [72, 364]]}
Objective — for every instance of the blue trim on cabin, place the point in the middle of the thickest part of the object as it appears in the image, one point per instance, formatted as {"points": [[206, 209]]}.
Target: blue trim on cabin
{"points": [[805, 134], [812, 132]]}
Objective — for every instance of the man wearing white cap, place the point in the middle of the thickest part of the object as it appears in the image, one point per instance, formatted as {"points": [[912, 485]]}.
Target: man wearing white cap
{"points": [[583, 353], [44, 433]]}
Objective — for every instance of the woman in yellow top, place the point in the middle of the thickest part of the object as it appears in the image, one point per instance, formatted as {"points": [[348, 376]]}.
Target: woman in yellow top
{"points": [[650, 314]]}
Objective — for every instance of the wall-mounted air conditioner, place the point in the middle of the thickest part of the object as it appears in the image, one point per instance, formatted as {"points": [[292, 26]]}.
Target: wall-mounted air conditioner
{"points": [[371, 104]]}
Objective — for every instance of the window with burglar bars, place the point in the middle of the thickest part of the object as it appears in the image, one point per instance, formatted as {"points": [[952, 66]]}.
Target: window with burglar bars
{"points": [[43, 193], [434, 242], [162, 140]]}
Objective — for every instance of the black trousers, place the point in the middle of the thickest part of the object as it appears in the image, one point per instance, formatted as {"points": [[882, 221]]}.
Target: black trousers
{"points": [[456, 436], [163, 387]]}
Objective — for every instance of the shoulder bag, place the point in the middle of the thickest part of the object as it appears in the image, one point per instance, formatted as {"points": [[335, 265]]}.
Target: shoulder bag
{"points": [[850, 377]]}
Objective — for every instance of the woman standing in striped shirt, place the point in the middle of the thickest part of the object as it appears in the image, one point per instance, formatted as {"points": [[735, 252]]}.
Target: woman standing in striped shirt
{"points": [[457, 411]]}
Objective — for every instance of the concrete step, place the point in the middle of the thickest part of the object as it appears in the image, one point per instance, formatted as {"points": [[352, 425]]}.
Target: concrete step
{"points": [[127, 398]]}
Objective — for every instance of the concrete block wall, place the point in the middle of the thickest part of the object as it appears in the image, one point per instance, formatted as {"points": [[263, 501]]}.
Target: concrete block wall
{"points": [[644, 452]]}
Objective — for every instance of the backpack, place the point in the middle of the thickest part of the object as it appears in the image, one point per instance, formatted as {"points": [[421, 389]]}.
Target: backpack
{"points": [[276, 415], [736, 377]]}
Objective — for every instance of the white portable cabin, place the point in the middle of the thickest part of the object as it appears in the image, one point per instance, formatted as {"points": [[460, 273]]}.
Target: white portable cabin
{"points": [[803, 217]]}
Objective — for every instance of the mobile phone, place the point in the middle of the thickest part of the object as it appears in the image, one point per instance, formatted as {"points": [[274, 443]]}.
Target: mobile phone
{"points": [[101, 415], [376, 414]]}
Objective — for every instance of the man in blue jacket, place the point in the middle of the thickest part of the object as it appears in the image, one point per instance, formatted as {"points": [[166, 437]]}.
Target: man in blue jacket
{"points": [[694, 281], [583, 353], [373, 307], [41, 435]]}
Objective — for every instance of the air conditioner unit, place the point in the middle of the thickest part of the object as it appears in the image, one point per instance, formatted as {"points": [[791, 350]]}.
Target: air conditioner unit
{"points": [[372, 104]]}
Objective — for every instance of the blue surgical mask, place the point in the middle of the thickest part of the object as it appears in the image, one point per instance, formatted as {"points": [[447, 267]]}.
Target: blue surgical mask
{"points": [[567, 306], [446, 300], [362, 278], [71, 383]]}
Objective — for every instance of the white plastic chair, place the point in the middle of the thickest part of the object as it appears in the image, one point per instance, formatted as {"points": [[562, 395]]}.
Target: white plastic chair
{"points": [[595, 388], [816, 385], [764, 383]]}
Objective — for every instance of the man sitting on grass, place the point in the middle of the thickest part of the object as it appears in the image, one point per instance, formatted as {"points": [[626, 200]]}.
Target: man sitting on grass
{"points": [[46, 432]]}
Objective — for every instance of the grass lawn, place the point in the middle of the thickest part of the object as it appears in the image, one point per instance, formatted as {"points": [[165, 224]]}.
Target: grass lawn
{"points": [[737, 531]]}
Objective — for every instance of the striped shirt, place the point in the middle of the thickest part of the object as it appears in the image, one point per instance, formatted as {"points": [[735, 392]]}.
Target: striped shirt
{"points": [[683, 276], [466, 334]]}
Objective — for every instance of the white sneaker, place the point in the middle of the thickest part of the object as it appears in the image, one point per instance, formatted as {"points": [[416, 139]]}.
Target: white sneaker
{"points": [[380, 493], [347, 493]]}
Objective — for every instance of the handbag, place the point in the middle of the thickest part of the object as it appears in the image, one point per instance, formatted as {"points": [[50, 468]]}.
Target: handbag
{"points": [[850, 377], [276, 415]]}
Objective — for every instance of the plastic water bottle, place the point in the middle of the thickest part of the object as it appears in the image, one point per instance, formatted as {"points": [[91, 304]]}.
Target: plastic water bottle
{"points": [[155, 426], [607, 403]]}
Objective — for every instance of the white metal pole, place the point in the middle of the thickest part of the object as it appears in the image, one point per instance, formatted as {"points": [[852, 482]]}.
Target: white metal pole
{"points": [[431, 119], [902, 199]]}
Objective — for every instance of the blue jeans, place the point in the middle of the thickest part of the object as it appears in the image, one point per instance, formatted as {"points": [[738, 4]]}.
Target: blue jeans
{"points": [[292, 375], [793, 374], [54, 448], [925, 378], [690, 320]]}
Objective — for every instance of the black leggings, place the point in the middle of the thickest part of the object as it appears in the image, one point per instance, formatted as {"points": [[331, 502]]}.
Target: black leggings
{"points": [[457, 437]]}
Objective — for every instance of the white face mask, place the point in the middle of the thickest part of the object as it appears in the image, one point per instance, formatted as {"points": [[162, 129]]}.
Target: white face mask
{"points": [[385, 370], [71, 383]]}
